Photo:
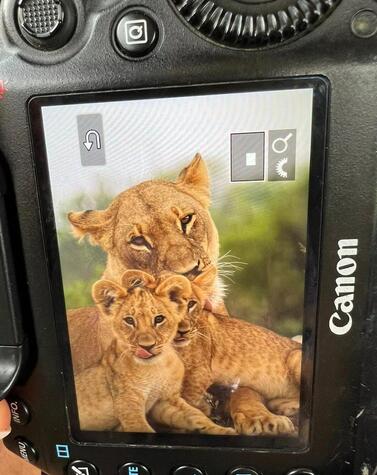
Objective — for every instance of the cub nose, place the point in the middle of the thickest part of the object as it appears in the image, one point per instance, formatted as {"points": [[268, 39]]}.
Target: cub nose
{"points": [[183, 328], [147, 347]]}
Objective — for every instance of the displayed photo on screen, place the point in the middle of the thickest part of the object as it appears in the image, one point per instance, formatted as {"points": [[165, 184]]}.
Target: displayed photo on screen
{"points": [[182, 230]]}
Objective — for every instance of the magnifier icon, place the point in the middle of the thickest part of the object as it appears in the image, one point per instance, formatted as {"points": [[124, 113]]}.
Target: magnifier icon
{"points": [[280, 145]]}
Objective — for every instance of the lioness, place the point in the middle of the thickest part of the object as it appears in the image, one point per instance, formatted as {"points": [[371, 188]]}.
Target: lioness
{"points": [[156, 226], [265, 366], [140, 372]]}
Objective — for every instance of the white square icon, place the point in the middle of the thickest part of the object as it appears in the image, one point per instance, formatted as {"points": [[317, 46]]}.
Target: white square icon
{"points": [[136, 32], [251, 159]]}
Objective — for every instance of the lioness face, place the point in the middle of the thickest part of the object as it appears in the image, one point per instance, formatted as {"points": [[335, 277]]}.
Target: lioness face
{"points": [[144, 320], [156, 226]]}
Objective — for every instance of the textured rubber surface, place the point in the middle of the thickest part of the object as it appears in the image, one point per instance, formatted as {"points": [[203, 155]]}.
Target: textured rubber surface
{"points": [[41, 18], [247, 27]]}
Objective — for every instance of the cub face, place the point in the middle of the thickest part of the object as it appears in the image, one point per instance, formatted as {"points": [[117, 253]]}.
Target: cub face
{"points": [[200, 288], [155, 226], [144, 316]]}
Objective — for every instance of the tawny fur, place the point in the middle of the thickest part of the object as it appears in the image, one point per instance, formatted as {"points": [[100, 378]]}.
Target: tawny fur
{"points": [[140, 373], [221, 350], [153, 210], [87, 337]]}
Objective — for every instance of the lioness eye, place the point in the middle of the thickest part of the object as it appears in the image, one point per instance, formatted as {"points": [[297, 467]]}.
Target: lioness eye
{"points": [[129, 321], [185, 221], [159, 319], [139, 241]]}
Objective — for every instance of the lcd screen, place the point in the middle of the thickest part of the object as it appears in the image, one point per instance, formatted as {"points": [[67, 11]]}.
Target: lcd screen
{"points": [[187, 253]]}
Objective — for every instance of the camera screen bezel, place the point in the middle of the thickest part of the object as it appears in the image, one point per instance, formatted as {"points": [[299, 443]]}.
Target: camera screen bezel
{"points": [[320, 89]]}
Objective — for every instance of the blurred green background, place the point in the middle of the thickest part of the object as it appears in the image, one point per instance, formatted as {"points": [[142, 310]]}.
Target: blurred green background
{"points": [[262, 229]]}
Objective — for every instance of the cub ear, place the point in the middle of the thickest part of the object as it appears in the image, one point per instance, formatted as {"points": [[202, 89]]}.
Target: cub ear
{"points": [[95, 224], [194, 178], [206, 280], [137, 278], [108, 296], [177, 288]]}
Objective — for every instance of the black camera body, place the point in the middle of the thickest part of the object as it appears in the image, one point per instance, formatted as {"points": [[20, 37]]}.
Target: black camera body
{"points": [[84, 53]]}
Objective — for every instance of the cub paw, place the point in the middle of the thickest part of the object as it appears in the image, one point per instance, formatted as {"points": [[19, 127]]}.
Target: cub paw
{"points": [[220, 430], [205, 407], [288, 407], [266, 424]]}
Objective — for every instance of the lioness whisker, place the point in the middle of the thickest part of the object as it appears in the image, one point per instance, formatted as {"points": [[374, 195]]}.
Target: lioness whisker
{"points": [[229, 278], [232, 263]]}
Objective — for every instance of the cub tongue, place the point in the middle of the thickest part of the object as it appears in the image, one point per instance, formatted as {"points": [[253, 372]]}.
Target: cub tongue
{"points": [[143, 353]]}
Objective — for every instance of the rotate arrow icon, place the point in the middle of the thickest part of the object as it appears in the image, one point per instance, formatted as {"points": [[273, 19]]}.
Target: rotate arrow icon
{"points": [[89, 143]]}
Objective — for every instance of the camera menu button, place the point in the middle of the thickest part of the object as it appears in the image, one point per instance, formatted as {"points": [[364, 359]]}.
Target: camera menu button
{"points": [[135, 34], [26, 450]]}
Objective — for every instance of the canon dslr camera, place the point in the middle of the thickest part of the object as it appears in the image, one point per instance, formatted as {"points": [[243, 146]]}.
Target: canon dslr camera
{"points": [[188, 204]]}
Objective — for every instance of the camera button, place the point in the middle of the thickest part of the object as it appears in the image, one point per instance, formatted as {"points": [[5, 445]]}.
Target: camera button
{"points": [[242, 471], [133, 469], [19, 411], [26, 450], [185, 470], [301, 471], [135, 34], [80, 467]]}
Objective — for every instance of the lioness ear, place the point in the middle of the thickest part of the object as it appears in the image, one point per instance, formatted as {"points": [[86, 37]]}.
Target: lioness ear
{"points": [[95, 224], [108, 296], [137, 278], [176, 287], [206, 280], [195, 180]]}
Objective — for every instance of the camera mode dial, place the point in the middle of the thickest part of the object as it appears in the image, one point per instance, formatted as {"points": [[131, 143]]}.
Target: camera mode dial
{"points": [[249, 24]]}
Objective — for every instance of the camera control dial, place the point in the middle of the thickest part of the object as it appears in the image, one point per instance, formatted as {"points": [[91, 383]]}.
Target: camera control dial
{"points": [[249, 24]]}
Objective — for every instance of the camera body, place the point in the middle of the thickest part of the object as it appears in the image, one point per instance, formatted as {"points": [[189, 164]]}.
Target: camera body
{"points": [[162, 49]]}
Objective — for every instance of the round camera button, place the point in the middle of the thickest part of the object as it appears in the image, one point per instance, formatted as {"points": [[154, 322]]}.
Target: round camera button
{"points": [[26, 450], [19, 411], [82, 467], [301, 471], [364, 24], [135, 34], [242, 471], [186, 470], [133, 469]]}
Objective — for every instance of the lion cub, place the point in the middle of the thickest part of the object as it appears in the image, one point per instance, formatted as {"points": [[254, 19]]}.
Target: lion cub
{"points": [[264, 366], [140, 373]]}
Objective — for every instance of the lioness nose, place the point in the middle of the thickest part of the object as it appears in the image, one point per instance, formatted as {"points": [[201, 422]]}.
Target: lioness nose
{"points": [[195, 271]]}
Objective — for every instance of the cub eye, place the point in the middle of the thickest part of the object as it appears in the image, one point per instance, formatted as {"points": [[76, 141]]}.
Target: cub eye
{"points": [[159, 319], [191, 304], [185, 221], [129, 320]]}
